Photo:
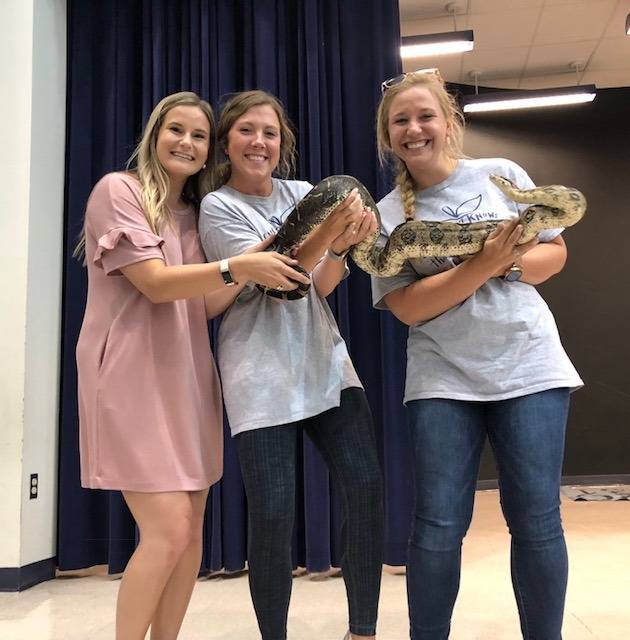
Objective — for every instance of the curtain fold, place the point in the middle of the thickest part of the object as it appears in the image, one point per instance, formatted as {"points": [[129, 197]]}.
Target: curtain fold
{"points": [[325, 60]]}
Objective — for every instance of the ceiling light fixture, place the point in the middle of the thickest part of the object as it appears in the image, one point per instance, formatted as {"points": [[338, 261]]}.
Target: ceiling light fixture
{"points": [[506, 100], [436, 44], [527, 99]]}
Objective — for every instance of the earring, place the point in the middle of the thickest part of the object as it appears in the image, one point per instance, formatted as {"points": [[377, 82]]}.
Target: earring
{"points": [[204, 165]]}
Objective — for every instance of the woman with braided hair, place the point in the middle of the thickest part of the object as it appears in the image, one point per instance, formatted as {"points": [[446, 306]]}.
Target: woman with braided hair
{"points": [[483, 359]]}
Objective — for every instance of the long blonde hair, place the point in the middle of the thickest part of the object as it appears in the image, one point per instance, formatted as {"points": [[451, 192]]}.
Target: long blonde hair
{"points": [[454, 140], [237, 106], [153, 179]]}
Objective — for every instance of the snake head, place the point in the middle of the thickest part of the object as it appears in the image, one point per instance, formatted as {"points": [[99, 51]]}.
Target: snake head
{"points": [[501, 182]]}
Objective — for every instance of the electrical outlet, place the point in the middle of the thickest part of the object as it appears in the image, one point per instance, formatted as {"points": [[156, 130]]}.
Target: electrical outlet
{"points": [[34, 486]]}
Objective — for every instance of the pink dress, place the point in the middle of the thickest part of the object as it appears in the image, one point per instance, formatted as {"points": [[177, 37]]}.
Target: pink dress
{"points": [[150, 413]]}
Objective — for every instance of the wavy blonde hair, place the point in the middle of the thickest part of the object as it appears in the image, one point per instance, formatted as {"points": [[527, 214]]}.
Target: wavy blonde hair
{"points": [[236, 107], [146, 167], [454, 140]]}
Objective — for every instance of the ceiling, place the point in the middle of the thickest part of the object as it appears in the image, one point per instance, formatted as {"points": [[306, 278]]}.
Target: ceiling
{"points": [[527, 44]]}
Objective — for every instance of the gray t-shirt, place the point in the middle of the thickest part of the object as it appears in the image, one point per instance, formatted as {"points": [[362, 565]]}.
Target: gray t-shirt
{"points": [[502, 341], [280, 361]]}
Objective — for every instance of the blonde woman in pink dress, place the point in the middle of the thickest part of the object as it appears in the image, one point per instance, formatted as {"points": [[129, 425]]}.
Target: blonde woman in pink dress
{"points": [[149, 396]]}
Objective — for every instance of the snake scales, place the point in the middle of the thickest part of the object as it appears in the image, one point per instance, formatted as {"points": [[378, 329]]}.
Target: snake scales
{"points": [[552, 207]]}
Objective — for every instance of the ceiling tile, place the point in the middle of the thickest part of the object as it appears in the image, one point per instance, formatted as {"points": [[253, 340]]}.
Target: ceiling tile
{"points": [[410, 9], [495, 6], [607, 78], [422, 27], [549, 81], [449, 66], [550, 3], [504, 29], [574, 21], [499, 83], [558, 57], [496, 62], [613, 53]]}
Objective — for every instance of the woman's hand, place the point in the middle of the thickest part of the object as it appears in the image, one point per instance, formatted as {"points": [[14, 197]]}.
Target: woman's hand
{"points": [[267, 268], [355, 232], [348, 212], [501, 248]]}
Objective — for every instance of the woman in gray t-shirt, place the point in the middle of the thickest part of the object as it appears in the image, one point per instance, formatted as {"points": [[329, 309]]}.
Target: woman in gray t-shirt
{"points": [[285, 367], [483, 358]]}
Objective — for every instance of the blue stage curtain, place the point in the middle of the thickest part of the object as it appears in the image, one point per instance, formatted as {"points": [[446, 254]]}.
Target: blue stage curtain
{"points": [[325, 59]]}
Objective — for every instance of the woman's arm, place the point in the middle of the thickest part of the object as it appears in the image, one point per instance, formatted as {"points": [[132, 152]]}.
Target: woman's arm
{"points": [[543, 261], [161, 283], [433, 295], [329, 272], [218, 301]]}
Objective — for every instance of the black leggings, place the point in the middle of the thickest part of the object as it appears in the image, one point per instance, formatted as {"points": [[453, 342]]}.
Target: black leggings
{"points": [[344, 436]]}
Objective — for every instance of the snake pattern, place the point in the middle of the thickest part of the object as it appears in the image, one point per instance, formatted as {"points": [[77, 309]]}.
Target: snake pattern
{"points": [[552, 207]]}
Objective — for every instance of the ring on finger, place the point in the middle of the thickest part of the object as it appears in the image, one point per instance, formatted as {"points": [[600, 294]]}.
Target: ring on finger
{"points": [[279, 287]]}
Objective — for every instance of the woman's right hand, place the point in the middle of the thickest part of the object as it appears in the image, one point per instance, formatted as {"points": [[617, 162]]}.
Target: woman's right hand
{"points": [[501, 248], [267, 268], [348, 212]]}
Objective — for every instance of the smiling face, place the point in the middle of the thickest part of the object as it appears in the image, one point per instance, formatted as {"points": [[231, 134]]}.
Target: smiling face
{"points": [[418, 130], [253, 147], [183, 142]]}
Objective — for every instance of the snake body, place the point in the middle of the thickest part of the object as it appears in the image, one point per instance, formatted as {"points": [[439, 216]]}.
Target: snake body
{"points": [[553, 206]]}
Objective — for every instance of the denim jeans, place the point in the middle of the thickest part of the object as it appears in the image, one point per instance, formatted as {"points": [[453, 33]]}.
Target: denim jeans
{"points": [[527, 438], [344, 436]]}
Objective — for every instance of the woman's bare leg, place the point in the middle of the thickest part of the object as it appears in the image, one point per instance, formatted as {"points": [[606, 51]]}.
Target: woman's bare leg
{"points": [[176, 595], [165, 523]]}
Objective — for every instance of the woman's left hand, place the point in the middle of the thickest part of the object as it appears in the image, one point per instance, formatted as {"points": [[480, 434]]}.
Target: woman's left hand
{"points": [[355, 232]]}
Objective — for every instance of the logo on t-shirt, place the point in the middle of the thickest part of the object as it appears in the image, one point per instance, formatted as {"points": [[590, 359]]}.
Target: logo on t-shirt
{"points": [[278, 221], [467, 212]]}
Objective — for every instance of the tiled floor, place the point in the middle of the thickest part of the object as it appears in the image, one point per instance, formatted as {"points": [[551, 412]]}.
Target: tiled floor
{"points": [[598, 601]]}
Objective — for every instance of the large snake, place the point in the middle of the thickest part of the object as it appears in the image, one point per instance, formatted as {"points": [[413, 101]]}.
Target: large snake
{"points": [[553, 206]]}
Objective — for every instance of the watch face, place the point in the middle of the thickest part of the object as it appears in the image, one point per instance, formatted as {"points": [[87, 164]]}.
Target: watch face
{"points": [[513, 274]]}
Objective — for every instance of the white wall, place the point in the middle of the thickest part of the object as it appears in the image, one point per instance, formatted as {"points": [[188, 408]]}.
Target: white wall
{"points": [[32, 111]]}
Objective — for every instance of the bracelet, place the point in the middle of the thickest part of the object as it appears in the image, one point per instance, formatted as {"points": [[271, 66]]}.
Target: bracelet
{"points": [[337, 257]]}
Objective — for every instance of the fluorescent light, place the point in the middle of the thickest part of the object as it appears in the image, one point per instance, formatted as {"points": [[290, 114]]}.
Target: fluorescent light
{"points": [[505, 100], [436, 44]]}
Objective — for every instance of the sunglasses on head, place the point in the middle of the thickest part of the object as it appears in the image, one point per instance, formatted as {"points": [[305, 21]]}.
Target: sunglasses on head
{"points": [[392, 82]]}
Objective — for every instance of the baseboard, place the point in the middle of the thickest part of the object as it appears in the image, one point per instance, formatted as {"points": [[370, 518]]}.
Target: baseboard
{"points": [[21, 578], [622, 478]]}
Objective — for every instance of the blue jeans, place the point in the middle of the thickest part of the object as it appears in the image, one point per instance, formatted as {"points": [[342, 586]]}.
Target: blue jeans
{"points": [[344, 436], [527, 438]]}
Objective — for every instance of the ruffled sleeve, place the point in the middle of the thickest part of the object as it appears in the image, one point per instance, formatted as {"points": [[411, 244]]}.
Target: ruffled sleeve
{"points": [[116, 224], [124, 246]]}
